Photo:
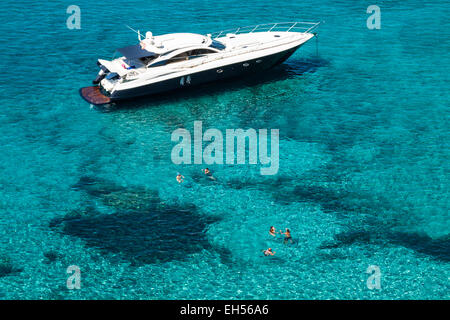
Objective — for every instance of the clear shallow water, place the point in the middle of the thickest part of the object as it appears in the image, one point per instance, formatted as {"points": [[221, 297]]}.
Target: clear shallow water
{"points": [[364, 149]]}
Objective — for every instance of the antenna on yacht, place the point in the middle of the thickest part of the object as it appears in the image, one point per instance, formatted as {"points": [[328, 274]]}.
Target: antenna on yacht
{"points": [[138, 32]]}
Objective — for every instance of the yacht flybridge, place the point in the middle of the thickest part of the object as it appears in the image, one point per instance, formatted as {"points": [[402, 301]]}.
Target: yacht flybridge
{"points": [[180, 60]]}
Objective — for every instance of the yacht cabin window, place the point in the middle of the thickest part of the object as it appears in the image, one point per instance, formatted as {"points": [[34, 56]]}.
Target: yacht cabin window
{"points": [[187, 55]]}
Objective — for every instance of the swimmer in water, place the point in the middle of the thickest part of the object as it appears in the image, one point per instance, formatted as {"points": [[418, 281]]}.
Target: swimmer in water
{"points": [[268, 252], [287, 236], [272, 231], [180, 178], [208, 173]]}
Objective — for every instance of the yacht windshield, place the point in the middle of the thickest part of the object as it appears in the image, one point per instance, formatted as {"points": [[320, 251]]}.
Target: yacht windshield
{"points": [[217, 45], [147, 60]]}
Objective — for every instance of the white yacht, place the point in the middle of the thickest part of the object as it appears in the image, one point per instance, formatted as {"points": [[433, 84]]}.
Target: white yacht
{"points": [[181, 60]]}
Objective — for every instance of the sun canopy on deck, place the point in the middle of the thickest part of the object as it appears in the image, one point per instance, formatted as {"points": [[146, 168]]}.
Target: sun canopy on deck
{"points": [[135, 52]]}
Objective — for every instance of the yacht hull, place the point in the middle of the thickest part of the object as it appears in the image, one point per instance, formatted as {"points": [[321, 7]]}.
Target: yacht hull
{"points": [[215, 74]]}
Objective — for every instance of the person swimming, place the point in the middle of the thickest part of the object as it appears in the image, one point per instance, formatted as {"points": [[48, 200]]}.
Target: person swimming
{"points": [[272, 231], [287, 236], [268, 252], [207, 172], [180, 178]]}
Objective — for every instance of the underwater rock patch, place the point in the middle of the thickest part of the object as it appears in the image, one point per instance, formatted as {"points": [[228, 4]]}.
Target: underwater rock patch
{"points": [[348, 238], [162, 234], [136, 199], [7, 268], [438, 248], [142, 230], [119, 197], [51, 256], [96, 186], [420, 242], [371, 229]]}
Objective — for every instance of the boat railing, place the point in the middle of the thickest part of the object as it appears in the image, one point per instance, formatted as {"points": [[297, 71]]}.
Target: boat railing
{"points": [[300, 26]]}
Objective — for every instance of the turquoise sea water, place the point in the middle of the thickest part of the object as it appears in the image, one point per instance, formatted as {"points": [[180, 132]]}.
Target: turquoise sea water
{"points": [[364, 159]]}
